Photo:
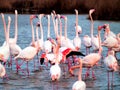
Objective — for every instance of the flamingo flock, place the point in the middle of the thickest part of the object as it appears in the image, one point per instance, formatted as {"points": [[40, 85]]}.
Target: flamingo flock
{"points": [[61, 49]]}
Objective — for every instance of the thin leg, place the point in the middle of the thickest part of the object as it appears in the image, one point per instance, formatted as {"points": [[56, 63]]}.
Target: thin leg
{"points": [[112, 79], [108, 81], [27, 68]]}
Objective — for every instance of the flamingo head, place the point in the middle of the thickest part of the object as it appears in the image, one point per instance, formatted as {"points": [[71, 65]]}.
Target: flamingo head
{"points": [[33, 16], [76, 11], [16, 12], [91, 11], [38, 24], [64, 17], [54, 12], [102, 27], [2, 15]]}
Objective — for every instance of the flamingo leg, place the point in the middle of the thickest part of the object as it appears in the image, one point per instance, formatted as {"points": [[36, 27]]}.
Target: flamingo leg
{"points": [[28, 69], [108, 81], [112, 78], [87, 73], [18, 67], [93, 74]]}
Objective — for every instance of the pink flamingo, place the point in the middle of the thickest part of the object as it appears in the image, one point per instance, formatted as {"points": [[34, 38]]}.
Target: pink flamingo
{"points": [[28, 53], [92, 59], [110, 38], [111, 63], [79, 85]]}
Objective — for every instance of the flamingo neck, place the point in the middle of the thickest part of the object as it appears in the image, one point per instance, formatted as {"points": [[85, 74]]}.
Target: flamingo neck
{"points": [[99, 39], [65, 29], [41, 29], [56, 28], [48, 27], [76, 24], [5, 28], [16, 27], [33, 40], [8, 29], [80, 71], [37, 36]]}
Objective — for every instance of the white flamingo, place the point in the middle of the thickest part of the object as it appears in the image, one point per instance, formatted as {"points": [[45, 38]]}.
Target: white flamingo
{"points": [[27, 54], [79, 85], [94, 39], [111, 64], [65, 41], [14, 47], [55, 70], [77, 40], [4, 50], [47, 46], [110, 38]]}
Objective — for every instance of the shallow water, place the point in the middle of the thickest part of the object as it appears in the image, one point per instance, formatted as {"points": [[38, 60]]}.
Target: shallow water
{"points": [[40, 79]]}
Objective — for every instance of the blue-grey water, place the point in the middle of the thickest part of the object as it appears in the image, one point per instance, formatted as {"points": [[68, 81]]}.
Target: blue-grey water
{"points": [[40, 80]]}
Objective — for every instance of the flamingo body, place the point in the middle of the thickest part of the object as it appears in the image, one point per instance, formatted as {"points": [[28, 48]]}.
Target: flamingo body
{"points": [[79, 85], [28, 53], [55, 72]]}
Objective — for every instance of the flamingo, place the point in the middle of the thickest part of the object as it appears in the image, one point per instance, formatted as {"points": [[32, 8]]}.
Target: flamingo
{"points": [[91, 59], [79, 84], [55, 70], [94, 39], [47, 46], [111, 63], [28, 53], [4, 49], [108, 32], [14, 47], [77, 40], [110, 38], [65, 41]]}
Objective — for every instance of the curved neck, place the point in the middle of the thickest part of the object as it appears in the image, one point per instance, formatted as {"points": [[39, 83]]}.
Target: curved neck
{"points": [[16, 26], [80, 71]]}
